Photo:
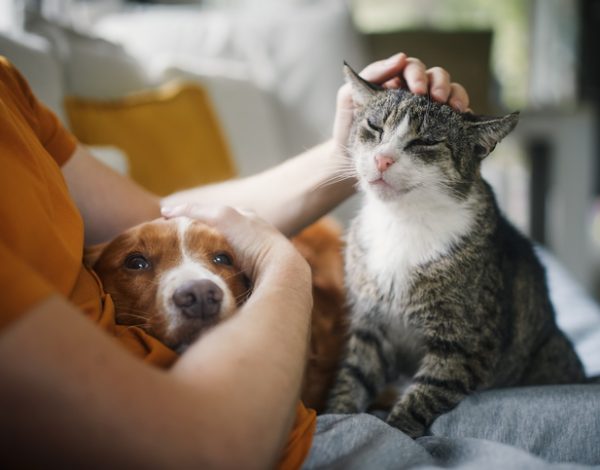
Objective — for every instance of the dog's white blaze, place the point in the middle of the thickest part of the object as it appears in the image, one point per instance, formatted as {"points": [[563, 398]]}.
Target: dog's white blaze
{"points": [[187, 270]]}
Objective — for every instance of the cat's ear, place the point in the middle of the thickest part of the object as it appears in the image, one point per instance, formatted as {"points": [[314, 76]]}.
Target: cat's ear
{"points": [[362, 90], [488, 131]]}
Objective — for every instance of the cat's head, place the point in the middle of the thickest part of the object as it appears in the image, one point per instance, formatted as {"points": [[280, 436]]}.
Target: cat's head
{"points": [[403, 143]]}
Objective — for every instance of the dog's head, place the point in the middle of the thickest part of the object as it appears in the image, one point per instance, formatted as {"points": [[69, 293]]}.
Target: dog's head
{"points": [[173, 278]]}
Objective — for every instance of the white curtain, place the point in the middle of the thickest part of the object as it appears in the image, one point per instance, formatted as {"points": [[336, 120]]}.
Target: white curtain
{"points": [[554, 53]]}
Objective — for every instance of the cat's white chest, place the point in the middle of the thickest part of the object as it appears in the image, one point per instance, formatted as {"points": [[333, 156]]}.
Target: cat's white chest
{"points": [[400, 238]]}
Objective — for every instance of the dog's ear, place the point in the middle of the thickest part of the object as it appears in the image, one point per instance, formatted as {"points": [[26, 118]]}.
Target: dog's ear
{"points": [[92, 253]]}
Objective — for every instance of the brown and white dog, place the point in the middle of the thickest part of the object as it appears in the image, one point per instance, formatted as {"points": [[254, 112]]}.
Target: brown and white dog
{"points": [[177, 278]]}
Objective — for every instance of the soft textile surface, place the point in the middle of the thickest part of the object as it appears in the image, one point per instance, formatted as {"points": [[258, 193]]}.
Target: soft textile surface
{"points": [[527, 428], [247, 114], [294, 49], [557, 423], [92, 67], [171, 135], [32, 56], [518, 428], [577, 314]]}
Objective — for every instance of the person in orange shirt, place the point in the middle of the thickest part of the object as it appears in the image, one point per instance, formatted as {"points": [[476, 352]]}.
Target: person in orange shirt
{"points": [[69, 393]]}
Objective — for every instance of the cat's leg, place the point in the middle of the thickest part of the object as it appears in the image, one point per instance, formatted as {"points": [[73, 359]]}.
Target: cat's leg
{"points": [[363, 372], [438, 386], [555, 362]]}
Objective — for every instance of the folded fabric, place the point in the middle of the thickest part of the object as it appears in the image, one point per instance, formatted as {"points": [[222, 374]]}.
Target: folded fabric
{"points": [[550, 427]]}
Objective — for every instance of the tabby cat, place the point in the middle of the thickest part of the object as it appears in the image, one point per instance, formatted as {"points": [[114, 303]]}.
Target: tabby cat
{"points": [[442, 288]]}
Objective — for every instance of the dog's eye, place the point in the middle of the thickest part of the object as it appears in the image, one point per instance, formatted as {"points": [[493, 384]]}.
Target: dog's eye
{"points": [[222, 258], [137, 262]]}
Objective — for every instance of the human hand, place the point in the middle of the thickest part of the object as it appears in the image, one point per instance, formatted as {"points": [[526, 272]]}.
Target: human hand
{"points": [[396, 72], [259, 246]]}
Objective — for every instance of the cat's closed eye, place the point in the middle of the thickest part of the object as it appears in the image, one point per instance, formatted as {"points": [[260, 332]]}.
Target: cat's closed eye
{"points": [[374, 127], [421, 142]]}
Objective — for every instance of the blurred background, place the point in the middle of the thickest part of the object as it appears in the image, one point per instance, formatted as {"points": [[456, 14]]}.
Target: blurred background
{"points": [[269, 70]]}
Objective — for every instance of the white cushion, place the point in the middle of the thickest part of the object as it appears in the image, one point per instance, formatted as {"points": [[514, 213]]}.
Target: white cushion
{"points": [[295, 51], [112, 157], [92, 67], [32, 55], [247, 114], [577, 314]]}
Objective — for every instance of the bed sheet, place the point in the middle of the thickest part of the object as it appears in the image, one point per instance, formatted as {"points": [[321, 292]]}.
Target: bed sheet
{"points": [[556, 427]]}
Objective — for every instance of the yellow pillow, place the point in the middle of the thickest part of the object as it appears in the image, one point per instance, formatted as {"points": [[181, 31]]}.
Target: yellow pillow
{"points": [[171, 135]]}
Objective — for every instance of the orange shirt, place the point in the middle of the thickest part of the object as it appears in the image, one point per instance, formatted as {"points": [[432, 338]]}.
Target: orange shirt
{"points": [[42, 235]]}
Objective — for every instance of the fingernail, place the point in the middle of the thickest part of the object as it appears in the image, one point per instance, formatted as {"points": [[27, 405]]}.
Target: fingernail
{"points": [[419, 87], [393, 59], [170, 211], [458, 106]]}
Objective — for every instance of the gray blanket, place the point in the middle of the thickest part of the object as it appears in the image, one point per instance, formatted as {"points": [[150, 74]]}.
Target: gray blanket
{"points": [[521, 428], [526, 428]]}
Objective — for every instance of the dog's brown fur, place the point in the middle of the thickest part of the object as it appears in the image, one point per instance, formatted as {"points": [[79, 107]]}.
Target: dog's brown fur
{"points": [[320, 244]]}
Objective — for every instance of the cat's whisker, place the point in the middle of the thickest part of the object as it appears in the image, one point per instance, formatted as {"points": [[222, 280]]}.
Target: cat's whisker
{"points": [[334, 179], [334, 171], [347, 171], [339, 163]]}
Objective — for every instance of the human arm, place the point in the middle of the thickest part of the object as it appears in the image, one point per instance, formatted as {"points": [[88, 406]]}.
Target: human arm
{"points": [[297, 192], [109, 202], [290, 195], [227, 403]]}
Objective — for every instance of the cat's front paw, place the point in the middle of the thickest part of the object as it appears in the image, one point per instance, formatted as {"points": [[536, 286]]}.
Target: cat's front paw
{"points": [[341, 405], [407, 422]]}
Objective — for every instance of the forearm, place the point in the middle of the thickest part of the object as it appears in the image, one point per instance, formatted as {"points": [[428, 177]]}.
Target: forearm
{"points": [[76, 398], [109, 203], [263, 387], [290, 196], [273, 323]]}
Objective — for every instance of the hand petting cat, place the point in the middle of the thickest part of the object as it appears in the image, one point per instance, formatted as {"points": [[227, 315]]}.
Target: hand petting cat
{"points": [[399, 71]]}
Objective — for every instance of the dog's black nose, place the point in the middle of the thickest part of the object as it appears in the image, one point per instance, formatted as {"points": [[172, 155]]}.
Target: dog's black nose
{"points": [[198, 299]]}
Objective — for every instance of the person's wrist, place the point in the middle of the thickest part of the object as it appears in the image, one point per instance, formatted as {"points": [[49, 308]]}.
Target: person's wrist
{"points": [[285, 271]]}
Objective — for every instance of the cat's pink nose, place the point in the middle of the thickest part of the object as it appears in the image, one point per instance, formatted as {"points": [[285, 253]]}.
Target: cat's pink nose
{"points": [[383, 162]]}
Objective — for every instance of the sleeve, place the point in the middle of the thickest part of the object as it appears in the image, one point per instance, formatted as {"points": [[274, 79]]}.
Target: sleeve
{"points": [[55, 138], [300, 439], [20, 285]]}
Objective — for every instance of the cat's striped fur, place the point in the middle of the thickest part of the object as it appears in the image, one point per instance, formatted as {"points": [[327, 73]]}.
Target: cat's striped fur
{"points": [[443, 289]]}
